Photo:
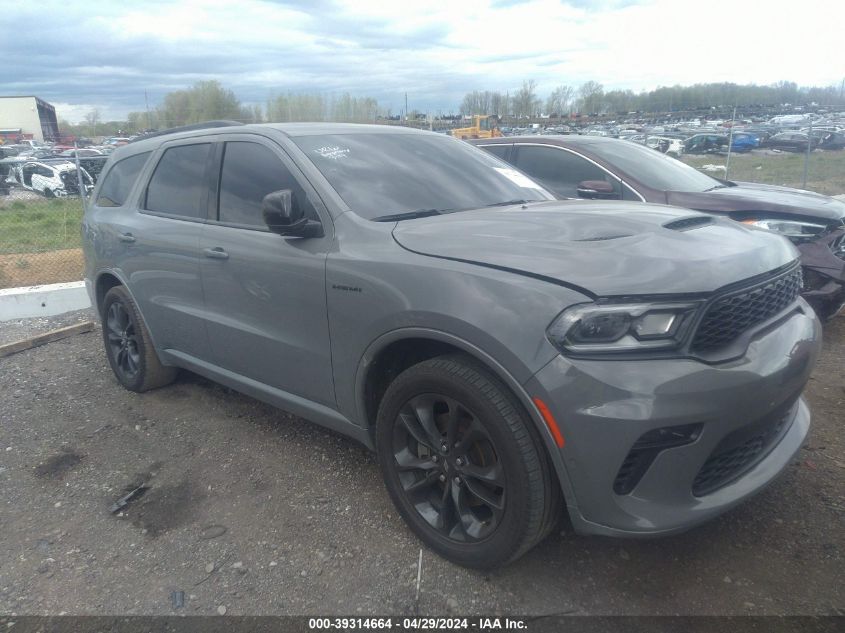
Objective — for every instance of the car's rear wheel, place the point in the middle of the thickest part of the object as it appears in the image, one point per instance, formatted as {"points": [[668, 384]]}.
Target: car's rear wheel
{"points": [[462, 463], [48, 193], [130, 351]]}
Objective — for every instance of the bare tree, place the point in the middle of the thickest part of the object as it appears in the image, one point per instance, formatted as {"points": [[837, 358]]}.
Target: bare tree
{"points": [[525, 102], [559, 100], [591, 96]]}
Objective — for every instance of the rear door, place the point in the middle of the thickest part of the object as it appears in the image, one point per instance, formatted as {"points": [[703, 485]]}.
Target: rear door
{"points": [[265, 295], [156, 243]]}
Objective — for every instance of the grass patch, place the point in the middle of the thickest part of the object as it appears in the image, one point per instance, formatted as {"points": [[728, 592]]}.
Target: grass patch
{"points": [[825, 174], [40, 225]]}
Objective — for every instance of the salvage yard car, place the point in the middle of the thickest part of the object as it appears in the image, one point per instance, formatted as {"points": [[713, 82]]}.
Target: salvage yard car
{"points": [[577, 166], [52, 177], [504, 353]]}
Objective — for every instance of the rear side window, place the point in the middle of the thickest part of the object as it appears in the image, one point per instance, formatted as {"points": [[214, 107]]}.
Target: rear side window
{"points": [[251, 171], [119, 181], [178, 185], [499, 151], [559, 170]]}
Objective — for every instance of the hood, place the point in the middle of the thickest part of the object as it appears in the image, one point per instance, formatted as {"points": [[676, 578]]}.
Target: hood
{"points": [[602, 248], [747, 196]]}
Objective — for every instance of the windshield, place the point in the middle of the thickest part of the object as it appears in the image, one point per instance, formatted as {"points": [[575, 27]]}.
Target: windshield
{"points": [[380, 174], [651, 168]]}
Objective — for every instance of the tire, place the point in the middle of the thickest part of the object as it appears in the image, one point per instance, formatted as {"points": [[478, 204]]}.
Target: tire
{"points": [[128, 347], [494, 496], [48, 193]]}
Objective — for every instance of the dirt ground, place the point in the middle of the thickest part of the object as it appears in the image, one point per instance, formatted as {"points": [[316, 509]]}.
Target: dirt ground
{"points": [[29, 269], [251, 509]]}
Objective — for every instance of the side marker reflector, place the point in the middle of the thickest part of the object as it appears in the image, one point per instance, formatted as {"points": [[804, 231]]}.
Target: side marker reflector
{"points": [[550, 422]]}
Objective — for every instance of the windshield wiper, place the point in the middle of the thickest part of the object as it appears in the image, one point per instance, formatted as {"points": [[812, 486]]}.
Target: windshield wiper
{"points": [[409, 215], [716, 187], [507, 203]]}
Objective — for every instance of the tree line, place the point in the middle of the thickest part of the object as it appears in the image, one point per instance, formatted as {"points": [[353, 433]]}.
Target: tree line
{"points": [[209, 100], [592, 98]]}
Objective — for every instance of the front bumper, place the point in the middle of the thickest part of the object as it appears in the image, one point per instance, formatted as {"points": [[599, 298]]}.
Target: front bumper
{"points": [[823, 262], [603, 407]]}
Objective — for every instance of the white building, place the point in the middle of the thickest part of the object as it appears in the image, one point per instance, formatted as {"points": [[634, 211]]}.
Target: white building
{"points": [[34, 117]]}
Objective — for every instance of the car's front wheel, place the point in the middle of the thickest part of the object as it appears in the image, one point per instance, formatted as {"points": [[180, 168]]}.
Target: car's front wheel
{"points": [[130, 351], [462, 463]]}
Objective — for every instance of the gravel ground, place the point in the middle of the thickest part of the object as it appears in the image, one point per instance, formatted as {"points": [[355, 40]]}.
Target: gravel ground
{"points": [[255, 511], [20, 329]]}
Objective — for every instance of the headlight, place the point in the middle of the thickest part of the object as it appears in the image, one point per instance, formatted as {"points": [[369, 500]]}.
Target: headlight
{"points": [[788, 228], [630, 327]]}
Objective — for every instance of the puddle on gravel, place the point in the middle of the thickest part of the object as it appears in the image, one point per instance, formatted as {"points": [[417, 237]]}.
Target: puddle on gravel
{"points": [[58, 465]]}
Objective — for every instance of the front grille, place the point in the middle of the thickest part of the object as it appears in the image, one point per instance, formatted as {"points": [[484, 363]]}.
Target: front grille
{"points": [[740, 451], [729, 316]]}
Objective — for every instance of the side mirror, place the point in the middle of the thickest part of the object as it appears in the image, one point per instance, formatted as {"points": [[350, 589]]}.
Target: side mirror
{"points": [[596, 190], [284, 216]]}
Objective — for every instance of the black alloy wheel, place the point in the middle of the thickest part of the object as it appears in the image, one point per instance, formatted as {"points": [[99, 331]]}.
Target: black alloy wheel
{"points": [[464, 464], [122, 341], [129, 348], [449, 467]]}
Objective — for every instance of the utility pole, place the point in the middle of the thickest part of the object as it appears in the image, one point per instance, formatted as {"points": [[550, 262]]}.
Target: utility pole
{"points": [[807, 155], [406, 106], [730, 144], [147, 103]]}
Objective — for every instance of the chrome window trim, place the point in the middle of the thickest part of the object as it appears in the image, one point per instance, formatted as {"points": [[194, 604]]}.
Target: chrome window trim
{"points": [[566, 149]]}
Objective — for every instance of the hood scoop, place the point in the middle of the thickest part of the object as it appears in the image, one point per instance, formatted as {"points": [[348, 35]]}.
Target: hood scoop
{"points": [[601, 238], [687, 224]]}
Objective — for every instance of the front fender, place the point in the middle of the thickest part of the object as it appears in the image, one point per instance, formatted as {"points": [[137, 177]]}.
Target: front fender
{"points": [[517, 388]]}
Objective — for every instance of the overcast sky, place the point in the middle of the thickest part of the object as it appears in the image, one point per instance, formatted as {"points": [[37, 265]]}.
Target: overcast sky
{"points": [[85, 55]]}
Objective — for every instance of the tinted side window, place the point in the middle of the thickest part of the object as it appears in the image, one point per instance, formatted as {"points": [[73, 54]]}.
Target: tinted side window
{"points": [[499, 151], [115, 188], [559, 170], [250, 171], [178, 184]]}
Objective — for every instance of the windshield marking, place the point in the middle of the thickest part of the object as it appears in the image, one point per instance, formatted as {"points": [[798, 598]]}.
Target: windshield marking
{"points": [[335, 153]]}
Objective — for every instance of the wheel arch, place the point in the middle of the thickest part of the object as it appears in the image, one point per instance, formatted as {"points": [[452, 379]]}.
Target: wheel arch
{"points": [[394, 351], [107, 279]]}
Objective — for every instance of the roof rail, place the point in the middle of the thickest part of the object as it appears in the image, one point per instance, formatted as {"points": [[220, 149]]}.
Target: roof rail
{"points": [[188, 128]]}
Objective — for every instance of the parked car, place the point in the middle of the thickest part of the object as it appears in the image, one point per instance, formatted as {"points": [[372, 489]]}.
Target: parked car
{"points": [[665, 144], [706, 144], [790, 142], [54, 178], [501, 351], [573, 167], [832, 141], [744, 142], [71, 153]]}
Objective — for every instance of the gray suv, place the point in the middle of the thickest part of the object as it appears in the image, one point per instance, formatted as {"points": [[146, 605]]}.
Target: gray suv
{"points": [[503, 353]]}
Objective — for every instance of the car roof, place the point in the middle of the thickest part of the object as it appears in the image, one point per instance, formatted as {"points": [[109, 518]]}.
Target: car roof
{"points": [[152, 142]]}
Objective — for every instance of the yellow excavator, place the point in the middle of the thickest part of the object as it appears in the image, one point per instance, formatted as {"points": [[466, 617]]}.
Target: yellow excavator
{"points": [[483, 126]]}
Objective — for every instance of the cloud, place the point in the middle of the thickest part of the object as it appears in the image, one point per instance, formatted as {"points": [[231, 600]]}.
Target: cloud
{"points": [[108, 55]]}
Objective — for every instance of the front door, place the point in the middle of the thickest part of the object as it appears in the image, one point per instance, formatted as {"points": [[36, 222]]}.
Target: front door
{"points": [[265, 295]]}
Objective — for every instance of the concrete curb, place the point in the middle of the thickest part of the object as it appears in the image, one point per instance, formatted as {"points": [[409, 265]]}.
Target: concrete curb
{"points": [[47, 300]]}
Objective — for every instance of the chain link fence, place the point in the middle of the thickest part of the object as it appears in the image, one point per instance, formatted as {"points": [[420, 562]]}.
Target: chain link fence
{"points": [[40, 215]]}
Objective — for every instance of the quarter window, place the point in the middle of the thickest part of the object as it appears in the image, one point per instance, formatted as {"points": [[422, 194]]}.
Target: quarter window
{"points": [[559, 170], [250, 171], [178, 184], [119, 181]]}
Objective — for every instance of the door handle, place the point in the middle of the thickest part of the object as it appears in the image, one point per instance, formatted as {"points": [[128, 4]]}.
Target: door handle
{"points": [[216, 253], [127, 237]]}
